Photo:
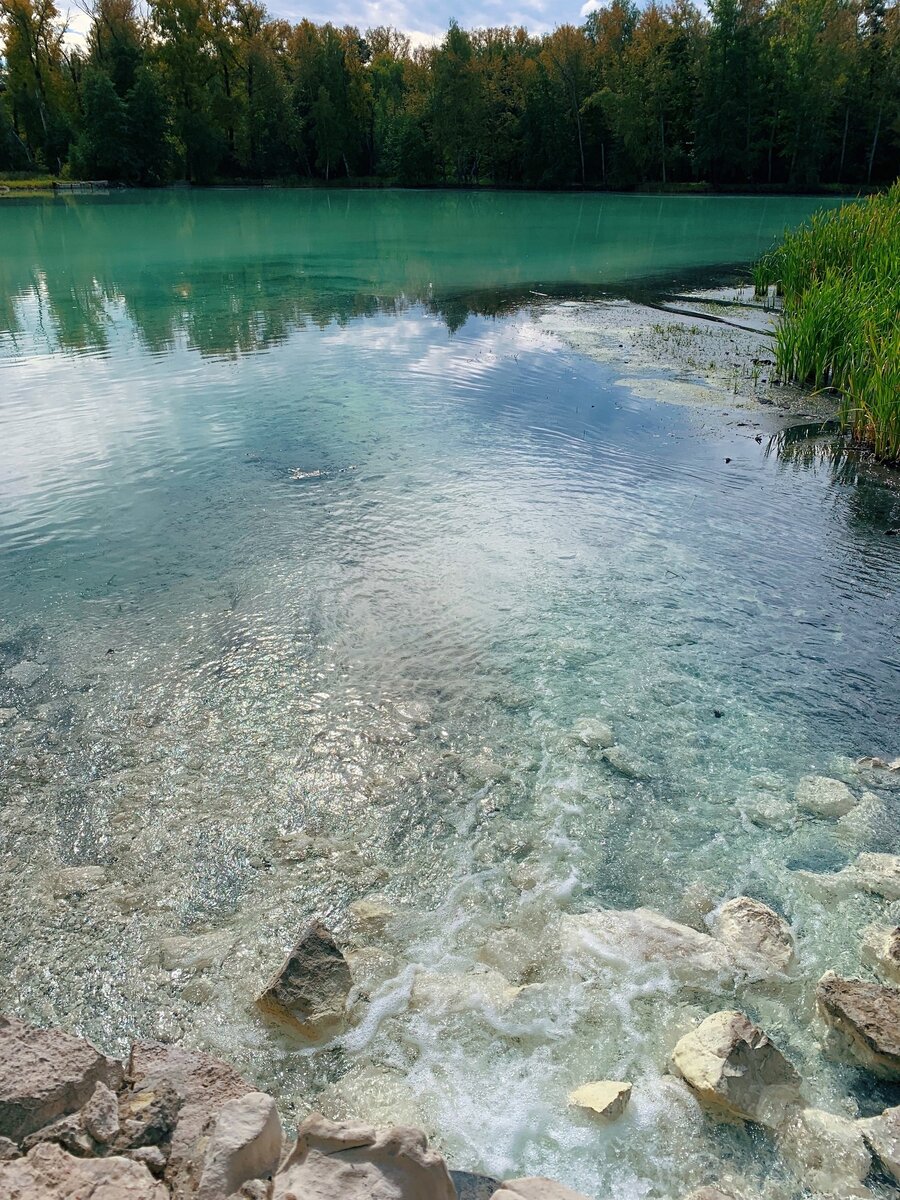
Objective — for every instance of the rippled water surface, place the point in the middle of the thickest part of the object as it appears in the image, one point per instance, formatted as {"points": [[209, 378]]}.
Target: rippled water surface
{"points": [[315, 547]]}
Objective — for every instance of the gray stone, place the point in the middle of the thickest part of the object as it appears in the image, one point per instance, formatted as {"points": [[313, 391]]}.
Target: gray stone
{"points": [[101, 1114], [346, 1161], [865, 1019], [473, 1187], [826, 1152], [8, 1149], [881, 951], [245, 1144], [308, 992], [735, 1071], [46, 1074], [535, 1187], [824, 797], [49, 1173], [151, 1156], [148, 1114], [68, 1132], [593, 733], [25, 674], [882, 1134]]}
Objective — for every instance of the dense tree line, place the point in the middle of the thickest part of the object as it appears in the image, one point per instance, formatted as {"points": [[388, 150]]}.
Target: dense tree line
{"points": [[782, 92]]}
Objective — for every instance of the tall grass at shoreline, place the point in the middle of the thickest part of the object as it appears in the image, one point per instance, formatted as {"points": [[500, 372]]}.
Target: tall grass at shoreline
{"points": [[839, 277]]}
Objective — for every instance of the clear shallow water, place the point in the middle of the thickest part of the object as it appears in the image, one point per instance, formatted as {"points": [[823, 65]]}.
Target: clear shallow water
{"points": [[317, 533]]}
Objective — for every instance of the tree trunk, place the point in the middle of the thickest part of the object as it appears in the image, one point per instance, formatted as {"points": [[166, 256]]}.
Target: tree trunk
{"points": [[874, 143], [662, 142], [843, 143]]}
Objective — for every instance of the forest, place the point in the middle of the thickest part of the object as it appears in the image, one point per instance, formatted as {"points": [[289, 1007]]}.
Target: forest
{"points": [[793, 94]]}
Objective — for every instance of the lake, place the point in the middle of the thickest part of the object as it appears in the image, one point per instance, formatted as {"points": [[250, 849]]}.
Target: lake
{"points": [[317, 544]]}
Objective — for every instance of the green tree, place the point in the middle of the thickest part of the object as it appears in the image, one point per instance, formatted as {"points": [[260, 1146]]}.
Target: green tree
{"points": [[102, 147]]}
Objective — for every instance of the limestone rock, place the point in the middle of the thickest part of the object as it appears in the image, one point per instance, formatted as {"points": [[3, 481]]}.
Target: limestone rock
{"points": [[372, 912], [49, 1173], [710, 1193], [193, 954], [824, 797], [148, 1114], [8, 1149], [309, 990], [826, 1152], [735, 1071], [245, 1144], [596, 734], [462, 991], [622, 762], [68, 1132], [535, 1188], [865, 1018], [881, 950], [101, 1114], [332, 1161], [878, 874], [882, 1135], [757, 938], [642, 936], [151, 1156], [46, 1074], [202, 1085], [608, 1098], [77, 881]]}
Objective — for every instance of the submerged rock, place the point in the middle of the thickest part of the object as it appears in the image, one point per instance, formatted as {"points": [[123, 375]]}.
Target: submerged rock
{"points": [[644, 936], [309, 991], [46, 1074], [756, 937], [245, 1144], [881, 951], [49, 1173], [607, 1098], [347, 1161], [25, 674], [865, 1019], [595, 734], [824, 797], [878, 874], [735, 1071], [882, 1136], [535, 1188], [827, 1153]]}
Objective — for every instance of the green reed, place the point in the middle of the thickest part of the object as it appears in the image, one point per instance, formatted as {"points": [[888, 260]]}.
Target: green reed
{"points": [[839, 277]]}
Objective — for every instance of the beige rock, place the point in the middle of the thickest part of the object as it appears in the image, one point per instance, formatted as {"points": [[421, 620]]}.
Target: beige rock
{"points": [[46, 1074], [710, 1193], [193, 954], [624, 937], [865, 1018], [357, 1162], [77, 881], [881, 951], [373, 1094], [462, 991], [878, 874], [608, 1098], [826, 1152], [824, 797], [68, 1132], [49, 1173], [735, 1071], [596, 734], [201, 1085], [8, 1149], [535, 1188], [151, 1156], [373, 911], [308, 993], [245, 1144], [101, 1114], [757, 938], [882, 1135]]}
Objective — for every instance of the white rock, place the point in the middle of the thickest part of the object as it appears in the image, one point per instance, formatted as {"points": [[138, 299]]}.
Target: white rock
{"points": [[49, 1173], [535, 1188], [824, 797], [593, 733], [826, 1152], [245, 1144], [101, 1114], [878, 874], [75, 881], [735, 1071], [25, 674], [462, 991], [881, 951], [621, 938], [608, 1098], [882, 1135], [756, 937], [193, 954], [331, 1161]]}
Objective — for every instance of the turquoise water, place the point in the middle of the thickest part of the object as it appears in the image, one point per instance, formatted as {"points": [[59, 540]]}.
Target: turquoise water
{"points": [[324, 544]]}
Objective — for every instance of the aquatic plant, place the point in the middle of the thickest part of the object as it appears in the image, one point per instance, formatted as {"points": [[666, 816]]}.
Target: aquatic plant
{"points": [[839, 278]]}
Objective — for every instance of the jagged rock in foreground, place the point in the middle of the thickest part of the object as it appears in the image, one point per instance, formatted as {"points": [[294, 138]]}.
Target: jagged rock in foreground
{"points": [[865, 1020], [344, 1161], [882, 1136], [308, 992], [827, 1153], [535, 1188], [608, 1098], [881, 951], [49, 1173], [735, 1071], [245, 1144], [755, 936], [46, 1074]]}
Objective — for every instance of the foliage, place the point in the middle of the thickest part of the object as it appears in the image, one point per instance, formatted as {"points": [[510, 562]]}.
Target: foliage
{"points": [[787, 93], [840, 279]]}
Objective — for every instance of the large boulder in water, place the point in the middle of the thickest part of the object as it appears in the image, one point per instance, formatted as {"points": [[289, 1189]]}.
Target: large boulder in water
{"points": [[757, 938], [346, 1161], [824, 797], [46, 1074], [827, 1153], [535, 1188], [308, 993], [865, 1020], [882, 1135], [735, 1071], [881, 951]]}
